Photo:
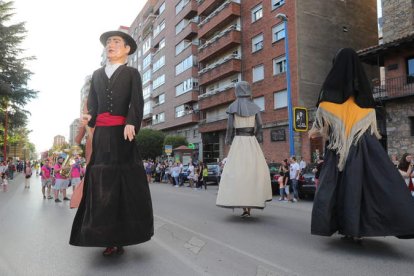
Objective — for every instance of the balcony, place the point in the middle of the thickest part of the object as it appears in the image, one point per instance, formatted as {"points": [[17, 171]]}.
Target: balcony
{"points": [[205, 7], [216, 97], [188, 97], [222, 69], [213, 124], [189, 10], [219, 18], [189, 32], [147, 25], [393, 88], [188, 119], [223, 41]]}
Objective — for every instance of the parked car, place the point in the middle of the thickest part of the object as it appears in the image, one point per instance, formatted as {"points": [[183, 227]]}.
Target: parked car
{"points": [[306, 184], [274, 176], [214, 173]]}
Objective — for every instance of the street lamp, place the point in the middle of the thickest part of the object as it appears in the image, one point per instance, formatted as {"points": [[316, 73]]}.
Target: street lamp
{"points": [[284, 18]]}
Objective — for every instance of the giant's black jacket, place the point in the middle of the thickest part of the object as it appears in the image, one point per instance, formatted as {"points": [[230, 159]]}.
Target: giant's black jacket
{"points": [[114, 95]]}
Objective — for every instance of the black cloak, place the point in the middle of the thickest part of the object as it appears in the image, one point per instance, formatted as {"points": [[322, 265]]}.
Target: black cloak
{"points": [[347, 78]]}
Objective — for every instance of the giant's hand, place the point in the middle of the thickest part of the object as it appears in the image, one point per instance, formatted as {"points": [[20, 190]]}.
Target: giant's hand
{"points": [[85, 119], [129, 132]]}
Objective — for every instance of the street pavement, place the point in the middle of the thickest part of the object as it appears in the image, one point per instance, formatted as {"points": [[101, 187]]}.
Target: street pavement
{"points": [[192, 237]]}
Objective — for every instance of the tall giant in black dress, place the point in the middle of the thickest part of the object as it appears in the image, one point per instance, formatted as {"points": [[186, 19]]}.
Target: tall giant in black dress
{"points": [[116, 207], [360, 193]]}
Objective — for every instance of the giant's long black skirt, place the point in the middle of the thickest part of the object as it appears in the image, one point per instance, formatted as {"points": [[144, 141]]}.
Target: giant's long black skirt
{"points": [[368, 198], [116, 207]]}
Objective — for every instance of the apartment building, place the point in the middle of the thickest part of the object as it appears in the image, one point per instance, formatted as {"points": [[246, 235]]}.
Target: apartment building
{"points": [[73, 131], [58, 141], [244, 40], [166, 33], [191, 52], [395, 89]]}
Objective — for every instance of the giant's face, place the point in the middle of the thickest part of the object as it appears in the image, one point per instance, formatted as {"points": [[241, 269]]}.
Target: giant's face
{"points": [[116, 48]]}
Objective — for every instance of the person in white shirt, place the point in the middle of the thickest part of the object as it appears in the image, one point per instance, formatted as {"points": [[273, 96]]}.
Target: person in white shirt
{"points": [[294, 177]]}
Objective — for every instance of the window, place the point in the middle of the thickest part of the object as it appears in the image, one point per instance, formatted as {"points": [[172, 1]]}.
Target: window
{"points": [[181, 46], [280, 99], [180, 6], [159, 28], [146, 46], [146, 77], [279, 65], [160, 99], [158, 82], [257, 13], [257, 43], [184, 65], [410, 70], [195, 133], [260, 101], [158, 118], [146, 62], [162, 8], [186, 86], [158, 64], [278, 32], [161, 44], [258, 73], [277, 3], [179, 111], [147, 108], [146, 92], [180, 26]]}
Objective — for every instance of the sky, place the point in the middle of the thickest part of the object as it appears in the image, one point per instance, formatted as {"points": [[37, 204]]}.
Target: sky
{"points": [[64, 38]]}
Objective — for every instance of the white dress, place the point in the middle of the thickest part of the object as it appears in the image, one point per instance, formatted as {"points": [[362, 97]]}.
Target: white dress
{"points": [[245, 181]]}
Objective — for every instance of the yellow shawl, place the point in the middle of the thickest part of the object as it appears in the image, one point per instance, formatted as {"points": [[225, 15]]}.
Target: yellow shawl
{"points": [[343, 125]]}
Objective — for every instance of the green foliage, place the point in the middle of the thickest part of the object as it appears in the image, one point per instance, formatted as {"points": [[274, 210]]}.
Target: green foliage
{"points": [[175, 141], [150, 143], [14, 93]]}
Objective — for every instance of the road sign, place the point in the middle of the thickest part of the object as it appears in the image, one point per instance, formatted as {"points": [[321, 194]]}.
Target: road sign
{"points": [[300, 117], [168, 149]]}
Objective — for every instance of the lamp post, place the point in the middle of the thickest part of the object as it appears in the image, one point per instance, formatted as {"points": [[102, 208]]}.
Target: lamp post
{"points": [[284, 18]]}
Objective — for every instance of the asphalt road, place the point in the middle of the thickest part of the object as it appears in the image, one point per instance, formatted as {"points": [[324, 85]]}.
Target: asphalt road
{"points": [[192, 237]]}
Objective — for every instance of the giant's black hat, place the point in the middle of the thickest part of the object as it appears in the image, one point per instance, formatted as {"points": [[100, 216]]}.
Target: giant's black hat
{"points": [[128, 39]]}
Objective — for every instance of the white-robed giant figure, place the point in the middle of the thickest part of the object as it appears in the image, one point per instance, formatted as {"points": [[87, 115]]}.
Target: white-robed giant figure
{"points": [[245, 181]]}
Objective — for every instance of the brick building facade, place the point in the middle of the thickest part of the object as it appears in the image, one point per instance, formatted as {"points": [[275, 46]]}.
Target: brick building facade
{"points": [[208, 45]]}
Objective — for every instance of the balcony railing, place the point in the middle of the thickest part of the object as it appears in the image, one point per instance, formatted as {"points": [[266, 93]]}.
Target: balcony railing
{"points": [[215, 91], [394, 88], [217, 11], [220, 34], [214, 65]]}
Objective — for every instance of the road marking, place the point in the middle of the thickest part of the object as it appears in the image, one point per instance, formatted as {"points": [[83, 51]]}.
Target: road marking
{"points": [[194, 245], [221, 243], [180, 257]]}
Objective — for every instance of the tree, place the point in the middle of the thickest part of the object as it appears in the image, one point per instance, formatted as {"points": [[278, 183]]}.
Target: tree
{"points": [[175, 141], [150, 143], [14, 75]]}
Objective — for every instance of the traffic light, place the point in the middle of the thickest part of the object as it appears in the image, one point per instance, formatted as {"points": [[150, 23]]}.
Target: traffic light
{"points": [[300, 117]]}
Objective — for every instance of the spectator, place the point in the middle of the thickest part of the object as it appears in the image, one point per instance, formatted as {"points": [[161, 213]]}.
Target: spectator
{"points": [[317, 170], [294, 177]]}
